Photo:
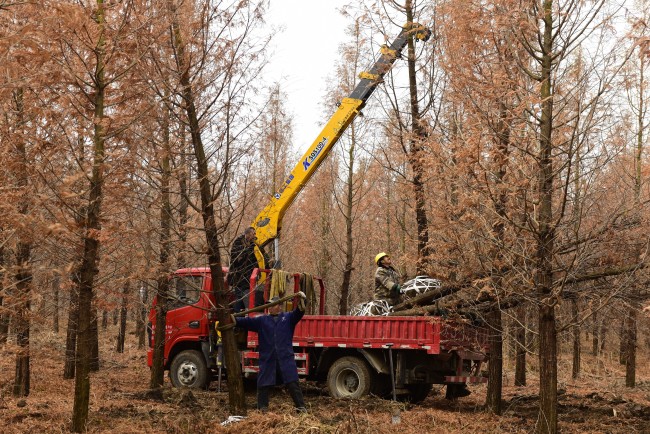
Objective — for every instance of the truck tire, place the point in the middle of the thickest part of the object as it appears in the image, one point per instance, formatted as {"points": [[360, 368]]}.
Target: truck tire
{"points": [[188, 369], [349, 377]]}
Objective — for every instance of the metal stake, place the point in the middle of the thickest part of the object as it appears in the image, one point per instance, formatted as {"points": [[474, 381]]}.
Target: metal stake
{"points": [[396, 417]]}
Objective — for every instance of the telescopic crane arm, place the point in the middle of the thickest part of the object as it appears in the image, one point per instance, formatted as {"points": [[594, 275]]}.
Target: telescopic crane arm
{"points": [[269, 221]]}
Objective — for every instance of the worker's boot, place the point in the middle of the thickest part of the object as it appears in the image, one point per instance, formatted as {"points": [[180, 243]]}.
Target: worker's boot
{"points": [[263, 399], [296, 395]]}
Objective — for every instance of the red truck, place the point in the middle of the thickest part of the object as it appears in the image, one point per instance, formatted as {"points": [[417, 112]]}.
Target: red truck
{"points": [[353, 355]]}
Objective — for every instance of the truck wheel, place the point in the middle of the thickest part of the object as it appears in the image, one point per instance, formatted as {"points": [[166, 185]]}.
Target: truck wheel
{"points": [[189, 370], [349, 377]]}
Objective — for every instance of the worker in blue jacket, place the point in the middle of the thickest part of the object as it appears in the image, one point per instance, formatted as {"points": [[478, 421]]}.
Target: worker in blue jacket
{"points": [[276, 358]]}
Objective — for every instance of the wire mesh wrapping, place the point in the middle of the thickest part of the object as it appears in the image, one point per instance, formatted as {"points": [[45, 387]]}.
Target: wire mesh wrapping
{"points": [[372, 308], [411, 288], [418, 286]]}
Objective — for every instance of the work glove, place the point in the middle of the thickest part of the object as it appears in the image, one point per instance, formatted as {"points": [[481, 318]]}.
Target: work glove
{"points": [[301, 301], [228, 326]]}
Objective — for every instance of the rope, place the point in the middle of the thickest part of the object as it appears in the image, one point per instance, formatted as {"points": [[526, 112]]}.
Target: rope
{"points": [[279, 280], [307, 286]]}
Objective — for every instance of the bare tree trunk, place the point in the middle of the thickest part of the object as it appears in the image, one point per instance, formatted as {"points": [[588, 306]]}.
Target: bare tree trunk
{"points": [[121, 335], [324, 255], [23, 267], [4, 316], [547, 419], [90, 258], [141, 323], [183, 204], [348, 216], [389, 228], [84, 350], [235, 383], [631, 316], [73, 307], [623, 342], [495, 366], [415, 155], [520, 351], [71, 335], [22, 319], [94, 340], [575, 371], [630, 353], [596, 333], [56, 289], [232, 362], [403, 233], [158, 369], [104, 319]]}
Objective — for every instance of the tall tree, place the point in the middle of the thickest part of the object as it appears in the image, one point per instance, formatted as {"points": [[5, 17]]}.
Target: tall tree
{"points": [[561, 120], [350, 189], [630, 321], [484, 116], [89, 64], [56, 291], [270, 167], [4, 316], [121, 334], [164, 158], [24, 272], [416, 157], [537, 88], [237, 56], [87, 270]]}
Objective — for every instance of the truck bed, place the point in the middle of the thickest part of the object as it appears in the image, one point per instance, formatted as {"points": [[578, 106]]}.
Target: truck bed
{"points": [[433, 334]]}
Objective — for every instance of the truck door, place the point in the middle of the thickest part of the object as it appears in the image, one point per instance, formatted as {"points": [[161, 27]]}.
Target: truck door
{"points": [[187, 317]]}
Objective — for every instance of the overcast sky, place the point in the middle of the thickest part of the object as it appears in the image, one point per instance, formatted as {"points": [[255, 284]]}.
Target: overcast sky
{"points": [[305, 53]]}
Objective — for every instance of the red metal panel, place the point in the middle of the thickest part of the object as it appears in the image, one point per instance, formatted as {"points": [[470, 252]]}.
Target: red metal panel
{"points": [[465, 379], [432, 334], [374, 332]]}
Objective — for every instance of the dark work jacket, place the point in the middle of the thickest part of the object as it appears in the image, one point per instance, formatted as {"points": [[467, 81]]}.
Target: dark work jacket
{"points": [[386, 282], [275, 334], [242, 263]]}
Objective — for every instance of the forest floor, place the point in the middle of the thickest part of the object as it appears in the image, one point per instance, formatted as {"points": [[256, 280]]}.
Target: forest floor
{"points": [[597, 403]]}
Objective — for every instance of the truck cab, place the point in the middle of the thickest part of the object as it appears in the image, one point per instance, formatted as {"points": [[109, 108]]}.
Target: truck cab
{"points": [[190, 340]]}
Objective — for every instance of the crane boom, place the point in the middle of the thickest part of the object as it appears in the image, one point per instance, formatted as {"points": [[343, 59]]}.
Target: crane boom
{"points": [[269, 221]]}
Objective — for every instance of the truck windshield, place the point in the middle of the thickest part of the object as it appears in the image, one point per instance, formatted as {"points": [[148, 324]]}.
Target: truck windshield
{"points": [[185, 290]]}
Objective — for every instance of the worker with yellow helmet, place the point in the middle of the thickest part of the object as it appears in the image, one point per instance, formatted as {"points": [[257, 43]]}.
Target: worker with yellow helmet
{"points": [[387, 280]]}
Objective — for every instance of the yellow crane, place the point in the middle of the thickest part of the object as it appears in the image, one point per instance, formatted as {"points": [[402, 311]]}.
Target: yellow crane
{"points": [[269, 221]]}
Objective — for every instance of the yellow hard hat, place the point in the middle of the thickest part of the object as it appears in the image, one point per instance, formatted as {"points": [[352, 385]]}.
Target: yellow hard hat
{"points": [[379, 256]]}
